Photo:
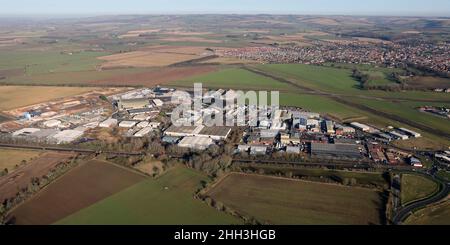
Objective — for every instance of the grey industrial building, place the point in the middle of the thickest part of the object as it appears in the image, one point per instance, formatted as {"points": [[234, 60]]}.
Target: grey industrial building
{"points": [[336, 150]]}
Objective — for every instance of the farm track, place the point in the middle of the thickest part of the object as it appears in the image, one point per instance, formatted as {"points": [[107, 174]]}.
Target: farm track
{"points": [[339, 98]]}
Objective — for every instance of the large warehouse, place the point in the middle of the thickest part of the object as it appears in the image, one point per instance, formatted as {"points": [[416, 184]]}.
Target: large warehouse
{"points": [[215, 133], [336, 150], [198, 143]]}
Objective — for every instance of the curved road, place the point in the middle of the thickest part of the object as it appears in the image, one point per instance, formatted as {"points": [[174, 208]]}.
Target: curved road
{"points": [[404, 212]]}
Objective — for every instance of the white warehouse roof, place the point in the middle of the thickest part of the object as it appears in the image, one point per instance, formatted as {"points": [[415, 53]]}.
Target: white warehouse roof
{"points": [[127, 124], [67, 136], [199, 143]]}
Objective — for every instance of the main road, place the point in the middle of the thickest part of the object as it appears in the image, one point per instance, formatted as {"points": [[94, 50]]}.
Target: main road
{"points": [[404, 212]]}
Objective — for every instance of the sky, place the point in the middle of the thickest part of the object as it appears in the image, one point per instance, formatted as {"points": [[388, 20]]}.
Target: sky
{"points": [[348, 7]]}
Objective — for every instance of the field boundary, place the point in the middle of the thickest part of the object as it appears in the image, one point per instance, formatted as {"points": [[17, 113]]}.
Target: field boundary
{"points": [[215, 183], [41, 190]]}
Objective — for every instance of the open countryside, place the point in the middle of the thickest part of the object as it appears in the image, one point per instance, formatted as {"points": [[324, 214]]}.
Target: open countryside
{"points": [[284, 201], [167, 200], [12, 97], [80, 188], [361, 136]]}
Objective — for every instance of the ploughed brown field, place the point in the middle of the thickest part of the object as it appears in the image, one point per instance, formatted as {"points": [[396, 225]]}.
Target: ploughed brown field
{"points": [[154, 56], [156, 76], [286, 201], [12, 183], [79, 188]]}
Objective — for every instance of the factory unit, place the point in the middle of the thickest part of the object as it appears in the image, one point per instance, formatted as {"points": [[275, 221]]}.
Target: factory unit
{"points": [[336, 150], [360, 126], [108, 123], [195, 142], [144, 132], [258, 150], [399, 136], [327, 127], [142, 124], [183, 131], [127, 124], [243, 148], [67, 136], [25, 132], [215, 133], [154, 125], [158, 102], [415, 162], [410, 132]]}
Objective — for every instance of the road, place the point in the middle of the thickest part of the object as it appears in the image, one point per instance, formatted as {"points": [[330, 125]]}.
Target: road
{"points": [[404, 212]]}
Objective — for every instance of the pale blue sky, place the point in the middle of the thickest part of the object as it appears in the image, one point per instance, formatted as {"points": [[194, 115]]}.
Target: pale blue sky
{"points": [[89, 7]]}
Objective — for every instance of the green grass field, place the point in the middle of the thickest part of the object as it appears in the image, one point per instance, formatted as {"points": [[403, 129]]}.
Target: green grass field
{"points": [[339, 81], [407, 110], [234, 78], [166, 200], [316, 77], [415, 187], [319, 104], [286, 201], [362, 178], [70, 77], [42, 62]]}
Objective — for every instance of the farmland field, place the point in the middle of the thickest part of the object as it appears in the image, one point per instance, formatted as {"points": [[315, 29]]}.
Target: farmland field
{"points": [[320, 104], [153, 57], [22, 176], [408, 111], [233, 78], [434, 215], [41, 62], [18, 96], [153, 76], [79, 188], [362, 178], [9, 158], [165, 200], [415, 187], [286, 201], [340, 81]]}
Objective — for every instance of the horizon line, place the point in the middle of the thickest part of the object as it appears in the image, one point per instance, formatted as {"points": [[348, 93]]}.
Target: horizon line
{"points": [[103, 14]]}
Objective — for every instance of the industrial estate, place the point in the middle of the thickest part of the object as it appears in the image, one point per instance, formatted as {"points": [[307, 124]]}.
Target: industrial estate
{"points": [[361, 134]]}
